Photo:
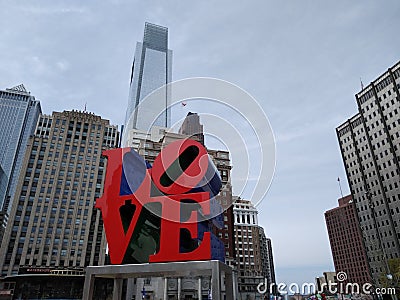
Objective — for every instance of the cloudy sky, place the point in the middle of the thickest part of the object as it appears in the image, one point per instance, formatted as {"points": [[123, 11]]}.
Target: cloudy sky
{"points": [[302, 60]]}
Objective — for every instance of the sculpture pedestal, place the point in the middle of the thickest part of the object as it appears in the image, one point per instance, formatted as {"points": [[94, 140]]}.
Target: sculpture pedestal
{"points": [[214, 268]]}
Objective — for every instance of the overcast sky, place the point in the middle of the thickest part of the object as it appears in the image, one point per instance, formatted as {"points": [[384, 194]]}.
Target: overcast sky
{"points": [[302, 60]]}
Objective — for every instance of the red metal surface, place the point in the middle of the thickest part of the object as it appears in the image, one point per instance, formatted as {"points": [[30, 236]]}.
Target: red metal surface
{"points": [[111, 202]]}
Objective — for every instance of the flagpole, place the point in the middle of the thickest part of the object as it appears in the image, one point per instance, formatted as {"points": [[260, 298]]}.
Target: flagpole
{"points": [[340, 187]]}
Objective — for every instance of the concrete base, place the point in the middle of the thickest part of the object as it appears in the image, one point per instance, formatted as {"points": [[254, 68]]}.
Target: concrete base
{"points": [[215, 268]]}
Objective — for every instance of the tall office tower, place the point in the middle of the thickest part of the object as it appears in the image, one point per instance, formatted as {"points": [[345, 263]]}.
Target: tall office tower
{"points": [[151, 69], [346, 242], [53, 227], [370, 148], [19, 112], [250, 249], [191, 126], [267, 257]]}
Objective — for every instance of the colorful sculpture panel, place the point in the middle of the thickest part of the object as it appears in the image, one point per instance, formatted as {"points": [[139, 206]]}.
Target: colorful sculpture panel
{"points": [[161, 213]]}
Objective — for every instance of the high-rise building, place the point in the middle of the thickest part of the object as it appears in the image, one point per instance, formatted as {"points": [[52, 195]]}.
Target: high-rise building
{"points": [[191, 126], [19, 112], [221, 160], [53, 227], [370, 147], [151, 69], [267, 258], [251, 247], [346, 242]]}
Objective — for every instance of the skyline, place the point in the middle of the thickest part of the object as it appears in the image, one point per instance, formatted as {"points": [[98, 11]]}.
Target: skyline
{"points": [[303, 66]]}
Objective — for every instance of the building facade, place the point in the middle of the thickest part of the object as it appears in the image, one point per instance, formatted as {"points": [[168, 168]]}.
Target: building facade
{"points": [[151, 69], [221, 160], [191, 126], [53, 227], [267, 258], [19, 112], [251, 249], [346, 242], [370, 148]]}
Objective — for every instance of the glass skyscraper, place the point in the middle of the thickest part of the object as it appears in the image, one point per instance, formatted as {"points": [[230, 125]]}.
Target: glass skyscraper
{"points": [[19, 112], [151, 69]]}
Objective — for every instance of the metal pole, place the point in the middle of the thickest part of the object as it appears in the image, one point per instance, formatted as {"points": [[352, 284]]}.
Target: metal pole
{"points": [[340, 186], [88, 286], [229, 286], [117, 291], [179, 288], [130, 286], [165, 288], [199, 288], [215, 281]]}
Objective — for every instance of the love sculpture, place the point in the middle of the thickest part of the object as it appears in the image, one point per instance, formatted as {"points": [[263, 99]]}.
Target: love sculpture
{"points": [[164, 212]]}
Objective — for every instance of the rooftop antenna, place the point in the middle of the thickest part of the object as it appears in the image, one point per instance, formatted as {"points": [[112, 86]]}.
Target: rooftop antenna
{"points": [[340, 186], [84, 110], [362, 84]]}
